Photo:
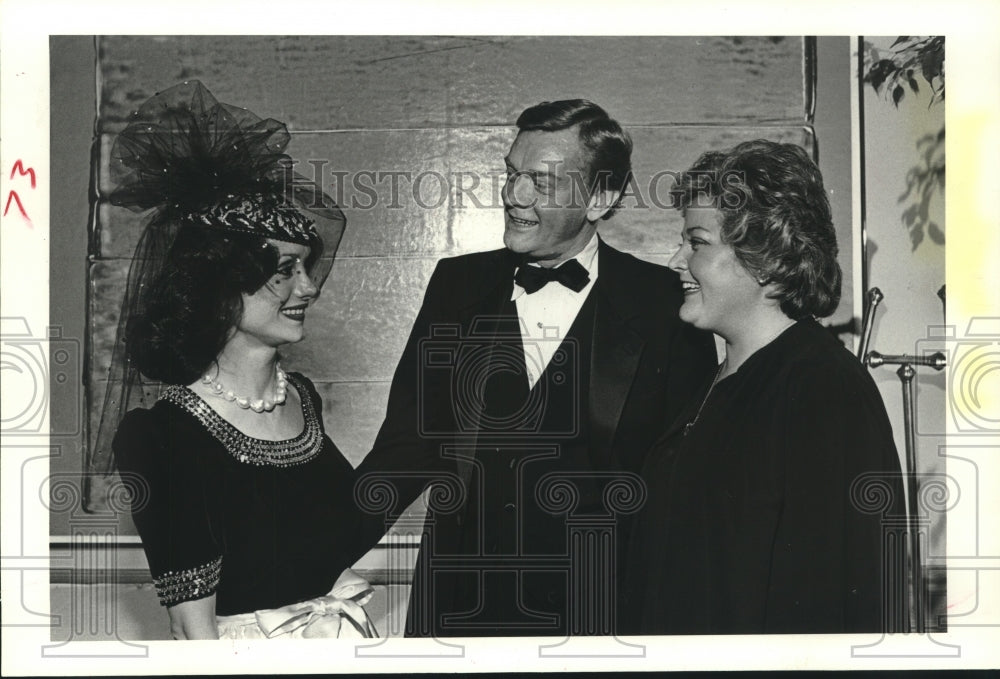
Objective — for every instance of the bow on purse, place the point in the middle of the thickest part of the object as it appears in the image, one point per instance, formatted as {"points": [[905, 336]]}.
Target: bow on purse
{"points": [[322, 617]]}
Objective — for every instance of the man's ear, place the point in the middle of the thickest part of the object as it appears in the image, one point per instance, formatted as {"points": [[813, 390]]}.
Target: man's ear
{"points": [[600, 203]]}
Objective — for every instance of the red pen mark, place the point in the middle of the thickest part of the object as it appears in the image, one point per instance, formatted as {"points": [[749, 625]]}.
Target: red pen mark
{"points": [[19, 168], [12, 196]]}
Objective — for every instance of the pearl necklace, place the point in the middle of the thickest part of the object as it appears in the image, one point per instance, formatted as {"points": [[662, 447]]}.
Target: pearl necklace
{"points": [[259, 405]]}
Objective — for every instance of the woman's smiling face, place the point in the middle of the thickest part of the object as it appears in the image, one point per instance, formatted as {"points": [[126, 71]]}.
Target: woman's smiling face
{"points": [[274, 314], [719, 293]]}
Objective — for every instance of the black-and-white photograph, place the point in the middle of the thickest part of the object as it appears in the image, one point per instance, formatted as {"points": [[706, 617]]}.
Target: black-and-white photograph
{"points": [[613, 349]]}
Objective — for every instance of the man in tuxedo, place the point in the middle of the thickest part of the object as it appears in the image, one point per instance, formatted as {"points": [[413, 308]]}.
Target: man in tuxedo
{"points": [[534, 380]]}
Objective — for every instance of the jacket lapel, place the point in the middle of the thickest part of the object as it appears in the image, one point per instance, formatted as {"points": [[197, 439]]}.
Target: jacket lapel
{"points": [[485, 304], [616, 348], [480, 321], [615, 353]]}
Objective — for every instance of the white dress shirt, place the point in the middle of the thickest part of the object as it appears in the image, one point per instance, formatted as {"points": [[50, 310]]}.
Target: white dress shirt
{"points": [[547, 314]]}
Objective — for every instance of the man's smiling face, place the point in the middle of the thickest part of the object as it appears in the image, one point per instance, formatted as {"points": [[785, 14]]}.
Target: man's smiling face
{"points": [[545, 198]]}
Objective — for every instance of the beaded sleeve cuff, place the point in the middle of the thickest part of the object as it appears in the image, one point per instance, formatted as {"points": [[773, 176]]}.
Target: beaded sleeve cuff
{"points": [[194, 583]]}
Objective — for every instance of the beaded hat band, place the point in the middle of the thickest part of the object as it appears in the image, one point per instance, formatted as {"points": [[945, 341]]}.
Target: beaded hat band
{"points": [[258, 214]]}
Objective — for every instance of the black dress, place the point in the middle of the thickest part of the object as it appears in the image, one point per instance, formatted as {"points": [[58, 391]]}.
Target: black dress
{"points": [[260, 524], [750, 526]]}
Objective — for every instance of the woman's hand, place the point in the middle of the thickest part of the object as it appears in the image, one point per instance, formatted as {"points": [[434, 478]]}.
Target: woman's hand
{"points": [[194, 619]]}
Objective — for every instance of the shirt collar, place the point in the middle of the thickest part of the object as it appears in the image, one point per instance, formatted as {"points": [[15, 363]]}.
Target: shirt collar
{"points": [[587, 258]]}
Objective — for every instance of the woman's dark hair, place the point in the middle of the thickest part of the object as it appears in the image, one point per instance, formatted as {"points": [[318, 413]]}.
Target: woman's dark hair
{"points": [[775, 216], [185, 314]]}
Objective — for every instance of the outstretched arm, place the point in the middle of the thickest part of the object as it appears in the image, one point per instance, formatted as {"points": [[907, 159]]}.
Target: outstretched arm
{"points": [[403, 455]]}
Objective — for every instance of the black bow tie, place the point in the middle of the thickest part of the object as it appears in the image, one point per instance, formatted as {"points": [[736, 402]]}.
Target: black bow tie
{"points": [[534, 278]]}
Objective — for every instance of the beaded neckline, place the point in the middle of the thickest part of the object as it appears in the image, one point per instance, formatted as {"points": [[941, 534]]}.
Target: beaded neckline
{"points": [[247, 449]]}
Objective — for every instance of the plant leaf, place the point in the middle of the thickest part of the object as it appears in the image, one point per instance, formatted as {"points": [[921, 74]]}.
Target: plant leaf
{"points": [[902, 38], [923, 207], [897, 95], [913, 85], [881, 70], [936, 234], [931, 62]]}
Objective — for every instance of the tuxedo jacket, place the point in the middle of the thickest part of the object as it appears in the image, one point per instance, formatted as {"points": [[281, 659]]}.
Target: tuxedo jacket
{"points": [[496, 554]]}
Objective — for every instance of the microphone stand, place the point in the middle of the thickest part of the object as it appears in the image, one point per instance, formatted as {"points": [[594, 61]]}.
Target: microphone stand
{"points": [[907, 371]]}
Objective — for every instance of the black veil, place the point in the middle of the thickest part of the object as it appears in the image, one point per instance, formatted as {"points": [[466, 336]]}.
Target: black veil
{"points": [[182, 155]]}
